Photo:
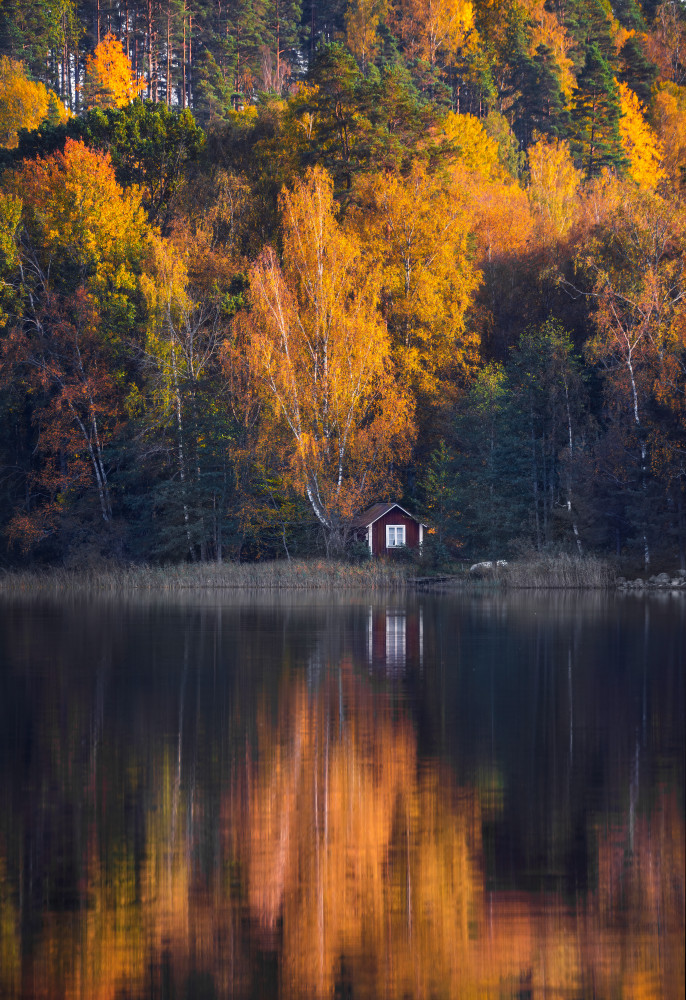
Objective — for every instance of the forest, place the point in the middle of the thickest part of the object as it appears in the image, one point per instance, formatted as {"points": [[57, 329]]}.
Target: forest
{"points": [[266, 262]]}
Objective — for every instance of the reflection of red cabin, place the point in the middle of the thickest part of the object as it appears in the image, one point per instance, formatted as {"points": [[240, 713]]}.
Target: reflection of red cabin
{"points": [[389, 526], [395, 637]]}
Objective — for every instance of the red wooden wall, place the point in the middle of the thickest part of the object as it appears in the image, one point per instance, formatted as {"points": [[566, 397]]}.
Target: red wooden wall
{"points": [[394, 517]]}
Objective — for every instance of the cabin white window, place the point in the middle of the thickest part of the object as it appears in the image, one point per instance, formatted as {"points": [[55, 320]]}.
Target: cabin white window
{"points": [[395, 535]]}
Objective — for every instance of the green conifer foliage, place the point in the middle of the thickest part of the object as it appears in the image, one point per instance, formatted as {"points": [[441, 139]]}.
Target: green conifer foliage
{"points": [[540, 106], [595, 115], [281, 23], [637, 71]]}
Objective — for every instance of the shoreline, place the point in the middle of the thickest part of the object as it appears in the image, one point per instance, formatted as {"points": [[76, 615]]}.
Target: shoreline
{"points": [[538, 573]]}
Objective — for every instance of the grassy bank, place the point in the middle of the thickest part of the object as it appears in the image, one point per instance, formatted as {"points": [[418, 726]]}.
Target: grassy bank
{"points": [[319, 574], [535, 573], [558, 572]]}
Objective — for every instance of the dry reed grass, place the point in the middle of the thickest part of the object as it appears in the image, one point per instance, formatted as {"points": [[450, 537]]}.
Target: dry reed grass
{"points": [[281, 575], [547, 572], [544, 572]]}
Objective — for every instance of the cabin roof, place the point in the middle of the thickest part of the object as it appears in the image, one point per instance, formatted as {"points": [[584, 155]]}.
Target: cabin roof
{"points": [[376, 511]]}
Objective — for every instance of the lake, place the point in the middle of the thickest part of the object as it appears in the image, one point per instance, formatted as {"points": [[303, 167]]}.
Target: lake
{"points": [[306, 795]]}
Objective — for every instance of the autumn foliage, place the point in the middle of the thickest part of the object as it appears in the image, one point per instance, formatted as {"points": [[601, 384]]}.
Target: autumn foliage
{"points": [[341, 855], [305, 304], [320, 353], [109, 81]]}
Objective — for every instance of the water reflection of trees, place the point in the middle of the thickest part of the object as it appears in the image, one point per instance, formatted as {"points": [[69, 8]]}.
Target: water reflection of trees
{"points": [[340, 858], [235, 831]]}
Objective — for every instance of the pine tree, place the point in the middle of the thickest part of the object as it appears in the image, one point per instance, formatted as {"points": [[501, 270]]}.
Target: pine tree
{"points": [[540, 106], [596, 111], [629, 15], [281, 20], [637, 71]]}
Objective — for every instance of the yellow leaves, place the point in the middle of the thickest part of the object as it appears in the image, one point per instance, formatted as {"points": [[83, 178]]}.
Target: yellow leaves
{"points": [[553, 185], [503, 221], [78, 216], [319, 350], [547, 30], [433, 27], [164, 285], [474, 148], [362, 19], [23, 104], [669, 114], [640, 143], [10, 218], [417, 228], [110, 81]]}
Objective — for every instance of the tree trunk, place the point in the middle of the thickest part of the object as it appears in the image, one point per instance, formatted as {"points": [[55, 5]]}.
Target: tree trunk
{"points": [[169, 55], [575, 528], [180, 451], [534, 479], [152, 88], [183, 62], [190, 60]]}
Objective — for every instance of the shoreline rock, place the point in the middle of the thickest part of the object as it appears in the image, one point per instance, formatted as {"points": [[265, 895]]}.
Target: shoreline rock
{"points": [[659, 581]]}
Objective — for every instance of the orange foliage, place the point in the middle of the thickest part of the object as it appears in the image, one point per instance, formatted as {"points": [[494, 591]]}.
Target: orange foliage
{"points": [[61, 354], [110, 81], [666, 42], [320, 355], [23, 103], [641, 145], [637, 268], [83, 236], [77, 216], [418, 228], [669, 114], [430, 28]]}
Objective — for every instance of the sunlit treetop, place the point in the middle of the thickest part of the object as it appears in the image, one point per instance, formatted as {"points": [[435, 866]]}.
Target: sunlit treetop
{"points": [[475, 149], [83, 228], [641, 145], [110, 81], [23, 103]]}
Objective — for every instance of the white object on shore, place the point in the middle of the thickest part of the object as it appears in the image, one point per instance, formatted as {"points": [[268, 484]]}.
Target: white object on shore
{"points": [[477, 567]]}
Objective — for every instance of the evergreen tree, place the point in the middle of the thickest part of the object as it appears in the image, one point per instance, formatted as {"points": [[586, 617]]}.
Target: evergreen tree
{"points": [[637, 71], [281, 25], [629, 15], [540, 107], [248, 36], [589, 22], [213, 91], [342, 124], [595, 115]]}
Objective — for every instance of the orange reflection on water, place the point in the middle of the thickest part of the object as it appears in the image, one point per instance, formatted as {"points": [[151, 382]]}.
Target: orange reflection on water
{"points": [[349, 847], [346, 862]]}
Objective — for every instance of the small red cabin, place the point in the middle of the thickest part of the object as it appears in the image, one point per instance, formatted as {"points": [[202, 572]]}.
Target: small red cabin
{"points": [[389, 526]]}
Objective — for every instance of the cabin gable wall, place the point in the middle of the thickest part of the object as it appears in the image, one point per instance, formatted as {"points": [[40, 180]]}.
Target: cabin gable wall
{"points": [[395, 516]]}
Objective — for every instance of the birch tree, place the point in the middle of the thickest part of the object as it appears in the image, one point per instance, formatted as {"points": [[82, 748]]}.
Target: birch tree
{"points": [[76, 253], [639, 287], [320, 356]]}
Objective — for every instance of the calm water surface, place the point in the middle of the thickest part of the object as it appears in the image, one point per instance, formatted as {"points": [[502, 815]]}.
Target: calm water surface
{"points": [[236, 796]]}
